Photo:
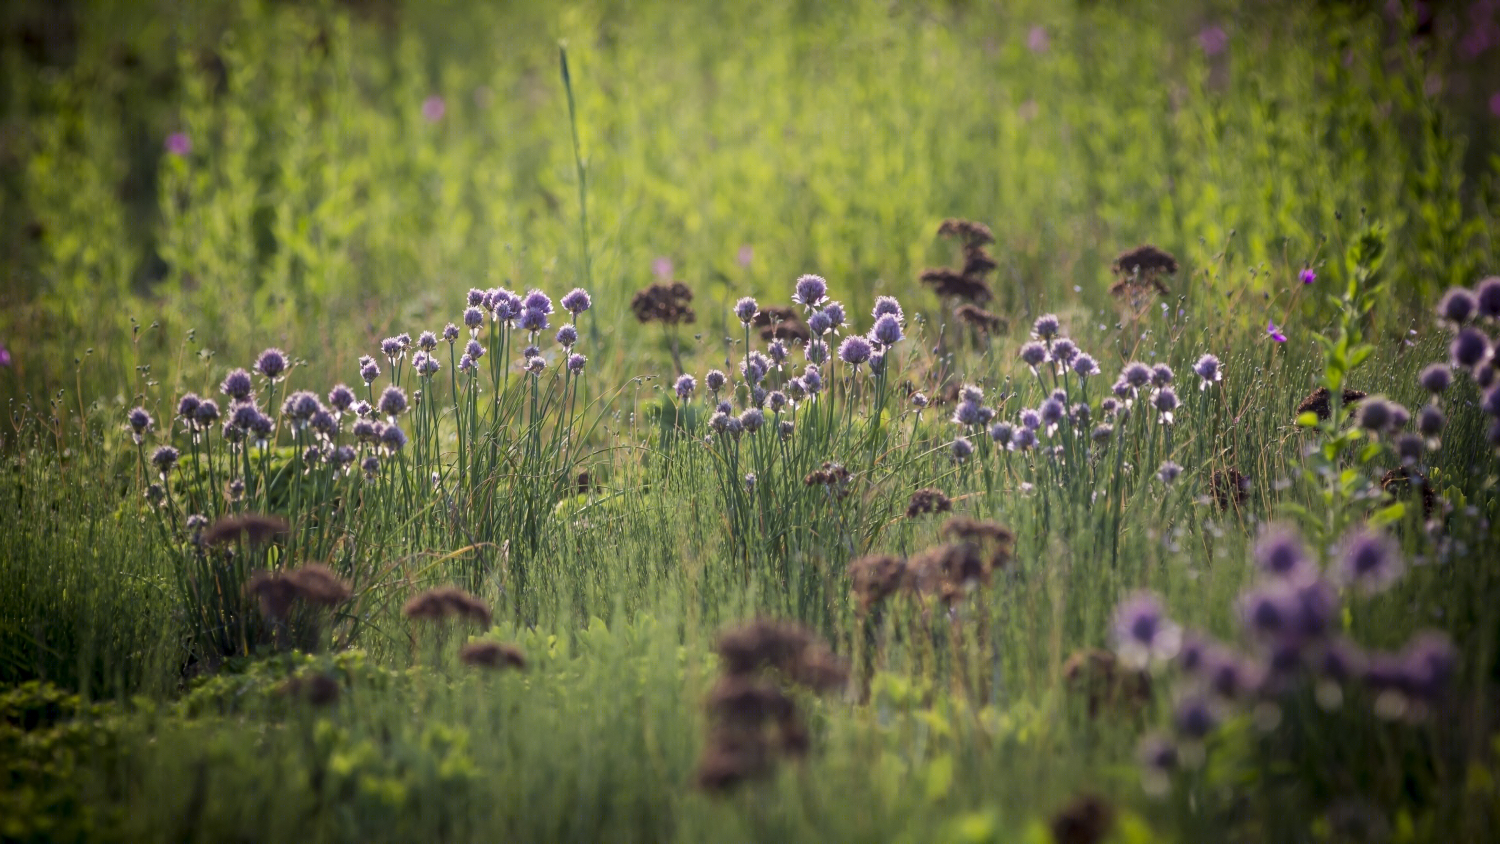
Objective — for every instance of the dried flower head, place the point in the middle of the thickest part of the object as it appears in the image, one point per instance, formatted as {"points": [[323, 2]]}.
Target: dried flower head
{"points": [[969, 232], [492, 655], [979, 319], [253, 528], [876, 577], [928, 500], [316, 584], [1317, 402], [1087, 819], [1146, 262], [447, 602], [949, 284], [788, 648], [1097, 675], [669, 304], [316, 689], [1230, 487]]}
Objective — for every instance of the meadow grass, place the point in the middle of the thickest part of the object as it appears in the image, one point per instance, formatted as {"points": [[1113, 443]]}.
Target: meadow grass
{"points": [[288, 618]]}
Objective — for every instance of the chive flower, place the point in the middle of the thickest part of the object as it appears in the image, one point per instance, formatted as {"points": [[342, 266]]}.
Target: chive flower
{"points": [[887, 330], [685, 386], [164, 458], [567, 336], [576, 301], [1046, 326], [237, 385], [450, 333], [1169, 472], [1457, 305], [887, 306], [855, 350], [1143, 632], [962, 448], [392, 402], [533, 320], [1436, 378], [576, 363], [746, 309], [1469, 348], [1281, 554], [1487, 297], [811, 291], [473, 320], [1370, 561], [714, 380], [272, 364], [140, 422]]}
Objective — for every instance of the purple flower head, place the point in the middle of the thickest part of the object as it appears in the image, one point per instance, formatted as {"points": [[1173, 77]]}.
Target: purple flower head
{"points": [[465, 364], [1165, 402], [391, 348], [179, 144], [812, 379], [1169, 472], [961, 448], [369, 371], [4, 356], [1213, 40], [478, 298], [971, 393], [777, 400], [243, 416], [777, 352], [1428, 662], [534, 365], [1374, 414], [816, 352], [1023, 439], [567, 336], [811, 291], [1457, 305], [207, 413], [404, 340], [1370, 561], [1085, 365], [1064, 351], [1339, 660], [1108, 405], [531, 351], [887, 330], [724, 407], [1430, 420], [1034, 354], [392, 439], [536, 300], [324, 424], [1136, 374], [1490, 401], [985, 413], [301, 405], [1046, 326], [1280, 553], [140, 421], [188, 405], [576, 363], [1469, 349], [1122, 389], [752, 420], [887, 305], [474, 351], [714, 380], [1030, 419], [1484, 375], [1161, 375], [819, 323], [370, 466], [473, 320], [966, 413], [433, 109], [685, 386], [1052, 411], [393, 401], [272, 364], [1037, 40], [1143, 632], [164, 459], [755, 367], [1436, 378], [745, 256], [784, 428], [919, 400], [1487, 297], [1410, 448], [1208, 369], [836, 315], [508, 306], [1196, 716], [1307, 275], [576, 301], [533, 320], [746, 309], [1103, 433], [1230, 675], [1157, 755], [855, 350], [427, 341], [1274, 332], [1001, 433], [877, 362]]}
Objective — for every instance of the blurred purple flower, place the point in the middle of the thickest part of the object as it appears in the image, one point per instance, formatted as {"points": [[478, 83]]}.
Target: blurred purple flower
{"points": [[433, 109], [4, 356], [1212, 39], [179, 144], [1037, 40], [661, 267], [1307, 275], [745, 256], [1275, 332]]}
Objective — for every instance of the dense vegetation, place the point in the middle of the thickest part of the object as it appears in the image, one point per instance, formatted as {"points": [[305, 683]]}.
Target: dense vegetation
{"points": [[601, 421]]}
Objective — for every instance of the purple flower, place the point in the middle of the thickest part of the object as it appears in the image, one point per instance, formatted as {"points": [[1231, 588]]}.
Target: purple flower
{"points": [[835, 313], [887, 305], [508, 305], [1103, 433], [272, 364], [391, 348], [816, 351], [777, 400], [576, 301], [1428, 662], [1023, 439], [324, 424], [1307, 275], [961, 448], [1165, 402], [812, 379], [1001, 433], [755, 367], [1030, 419], [685, 386], [1037, 40], [1208, 370], [1169, 472], [811, 291], [474, 351], [1469, 349], [1410, 448], [179, 144], [188, 405], [393, 401], [466, 363], [370, 466], [887, 330], [536, 300], [777, 351], [576, 362], [966, 413], [1457, 305], [473, 320], [1484, 375], [450, 332], [1085, 365], [784, 428], [533, 320], [1161, 375], [478, 298], [819, 323], [392, 439], [714, 380], [746, 309], [369, 370], [1157, 754], [1046, 326], [427, 341], [1374, 414], [661, 267], [971, 393], [4, 356], [164, 459], [1430, 420], [567, 336], [744, 256], [752, 420], [1279, 552], [1136, 374], [1275, 332], [1196, 716], [1213, 40], [433, 109], [1143, 632], [1487, 297], [1052, 411], [1436, 378], [301, 405], [1033, 354], [919, 400], [140, 422], [1064, 351], [207, 413], [1370, 561]]}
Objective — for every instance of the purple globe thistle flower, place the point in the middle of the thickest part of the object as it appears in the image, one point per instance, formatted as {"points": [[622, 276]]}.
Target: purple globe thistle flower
{"points": [[1001, 433], [752, 420], [1370, 561], [188, 405], [237, 385], [533, 320], [1436, 378], [536, 300], [1208, 370], [393, 402], [370, 466], [812, 379], [966, 413], [1157, 755], [714, 380], [324, 424], [1196, 716], [450, 333], [887, 306], [855, 350], [962, 449], [685, 386], [1430, 420], [1490, 401], [140, 422], [816, 351], [1136, 374], [1280, 553], [1143, 631], [746, 309], [1064, 351], [534, 365], [341, 397], [836, 316], [567, 336], [777, 401], [919, 400], [811, 291], [1031, 419], [1487, 297], [778, 352], [427, 341], [1469, 348], [1307, 275], [1165, 402], [576, 301], [392, 439], [478, 298], [1085, 365], [1161, 375], [369, 370], [1457, 305], [576, 363], [819, 323], [164, 458], [206, 414], [1428, 662], [473, 320], [887, 330], [1046, 326], [1169, 472], [1374, 414], [1034, 354], [474, 351], [1023, 439], [1484, 375]]}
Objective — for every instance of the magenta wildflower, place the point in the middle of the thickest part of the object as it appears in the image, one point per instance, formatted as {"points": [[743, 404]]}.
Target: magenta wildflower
{"points": [[1213, 40], [1275, 332], [1307, 275], [661, 267], [745, 256], [433, 108], [179, 144], [1037, 40]]}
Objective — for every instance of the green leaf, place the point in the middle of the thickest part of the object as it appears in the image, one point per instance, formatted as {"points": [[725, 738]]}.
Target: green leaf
{"points": [[1388, 515], [1307, 420], [939, 777]]}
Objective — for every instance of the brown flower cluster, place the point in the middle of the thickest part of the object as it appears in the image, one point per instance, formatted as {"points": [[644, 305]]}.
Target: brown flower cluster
{"points": [[492, 655], [1098, 677], [1087, 819], [1401, 483], [447, 602], [1230, 488], [669, 304], [979, 319], [316, 689], [1139, 272], [1318, 401], [876, 577], [832, 475], [779, 322], [975, 550], [967, 284], [312, 584], [928, 500], [256, 529], [753, 720]]}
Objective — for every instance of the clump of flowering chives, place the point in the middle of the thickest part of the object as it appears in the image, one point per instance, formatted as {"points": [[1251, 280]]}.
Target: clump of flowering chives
{"points": [[369, 370], [393, 402], [1143, 632], [1370, 561], [811, 291], [887, 306], [1165, 402], [1208, 371], [140, 423], [887, 330], [576, 363], [962, 449], [714, 380], [1469, 348], [1046, 327], [1034, 354], [237, 385], [576, 301], [1064, 351], [164, 459], [745, 310], [855, 350], [1457, 305], [1169, 472], [685, 386], [272, 364]]}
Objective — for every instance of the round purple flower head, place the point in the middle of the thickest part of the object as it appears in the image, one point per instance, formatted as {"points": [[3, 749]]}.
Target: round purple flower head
{"points": [[1487, 297], [324, 424], [567, 336], [685, 386], [1143, 632], [855, 350], [819, 323], [1469, 349], [272, 364], [1370, 561], [392, 439], [919, 400], [1457, 305], [1490, 401], [473, 320], [536, 300], [236, 385], [777, 400], [1484, 375], [427, 341], [1046, 326], [1136, 374], [961, 448], [1023, 439], [816, 351], [1030, 419], [1279, 553], [1157, 755], [393, 401], [164, 459], [301, 405], [450, 332], [1436, 378], [465, 364], [1001, 433], [835, 312], [576, 301], [369, 370], [478, 298], [1052, 411], [207, 413], [752, 420], [576, 363], [811, 291], [1165, 402], [1169, 472], [746, 309], [188, 405], [1161, 375], [755, 367], [474, 351], [1207, 369], [887, 305], [1085, 365], [1430, 420], [1375, 414], [341, 397], [1064, 351], [812, 379], [1196, 716], [1307, 276], [140, 422], [887, 330], [714, 380], [533, 320], [1033, 354], [534, 365], [966, 413]]}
